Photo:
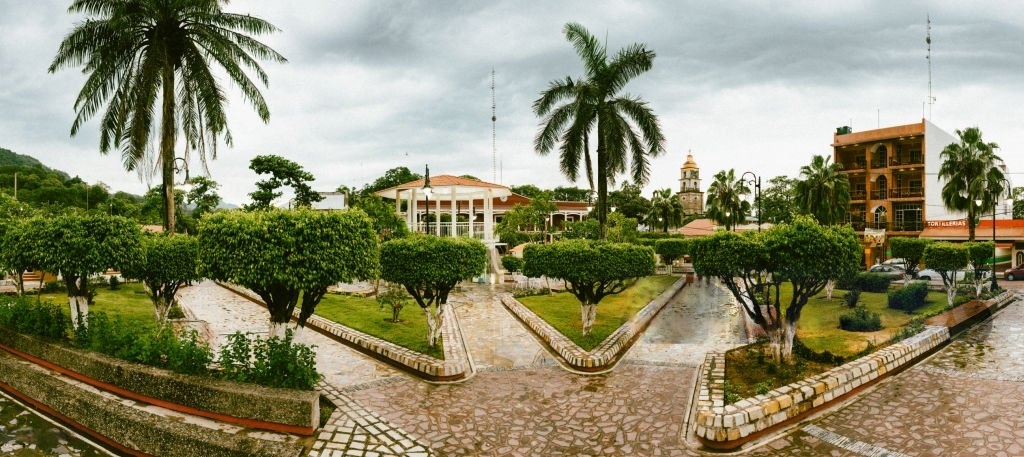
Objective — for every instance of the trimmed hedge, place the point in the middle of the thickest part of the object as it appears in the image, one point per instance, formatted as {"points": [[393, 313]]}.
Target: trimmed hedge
{"points": [[671, 249], [860, 320], [867, 282], [512, 263], [910, 297]]}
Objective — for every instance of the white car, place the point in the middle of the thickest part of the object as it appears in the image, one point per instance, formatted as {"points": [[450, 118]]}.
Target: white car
{"points": [[935, 279]]}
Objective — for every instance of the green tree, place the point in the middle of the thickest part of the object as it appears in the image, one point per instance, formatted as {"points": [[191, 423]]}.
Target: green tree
{"points": [[591, 270], [16, 240], [778, 200], [971, 171], [911, 250], [386, 222], [393, 177], [823, 191], [754, 265], [141, 54], [80, 246], [629, 202], [671, 249], [625, 126], [429, 267], [949, 260], [166, 263], [666, 211], [203, 196], [527, 190], [725, 204], [283, 172], [1018, 202], [570, 194], [979, 253], [284, 255]]}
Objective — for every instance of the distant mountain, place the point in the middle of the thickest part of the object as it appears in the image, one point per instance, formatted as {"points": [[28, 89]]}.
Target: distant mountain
{"points": [[11, 158]]}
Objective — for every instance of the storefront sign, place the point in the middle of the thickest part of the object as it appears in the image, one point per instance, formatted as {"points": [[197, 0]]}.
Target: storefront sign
{"points": [[953, 223]]}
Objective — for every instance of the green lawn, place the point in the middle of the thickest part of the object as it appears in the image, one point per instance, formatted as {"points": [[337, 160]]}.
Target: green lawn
{"points": [[562, 310], [365, 315], [130, 302], [819, 330]]}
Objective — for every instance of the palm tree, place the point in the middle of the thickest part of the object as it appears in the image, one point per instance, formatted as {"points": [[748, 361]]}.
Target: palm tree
{"points": [[665, 209], [142, 56], [823, 191], [623, 125], [725, 203], [972, 171]]}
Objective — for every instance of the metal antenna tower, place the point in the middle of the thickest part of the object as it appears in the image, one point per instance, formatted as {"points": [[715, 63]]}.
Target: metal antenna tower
{"points": [[494, 134], [928, 40]]}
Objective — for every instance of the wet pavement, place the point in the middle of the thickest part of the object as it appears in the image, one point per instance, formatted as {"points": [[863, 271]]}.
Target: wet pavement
{"points": [[25, 434]]}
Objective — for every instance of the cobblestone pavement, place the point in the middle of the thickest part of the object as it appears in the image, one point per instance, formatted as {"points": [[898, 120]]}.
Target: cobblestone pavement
{"points": [[519, 404], [964, 400]]}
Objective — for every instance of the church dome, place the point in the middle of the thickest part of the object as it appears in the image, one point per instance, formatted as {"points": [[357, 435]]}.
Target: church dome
{"points": [[690, 164]]}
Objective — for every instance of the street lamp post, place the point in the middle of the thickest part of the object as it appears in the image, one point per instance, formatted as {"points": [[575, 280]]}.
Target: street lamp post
{"points": [[427, 191], [755, 181]]}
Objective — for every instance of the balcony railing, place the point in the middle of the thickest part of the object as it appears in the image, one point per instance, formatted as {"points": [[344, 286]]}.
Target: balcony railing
{"points": [[858, 226], [910, 192], [461, 228], [879, 194], [900, 161], [878, 163], [908, 226], [881, 224], [858, 195], [853, 165]]}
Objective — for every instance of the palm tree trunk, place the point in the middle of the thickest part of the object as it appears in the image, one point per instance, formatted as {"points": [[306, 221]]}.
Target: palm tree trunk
{"points": [[167, 131], [602, 184]]}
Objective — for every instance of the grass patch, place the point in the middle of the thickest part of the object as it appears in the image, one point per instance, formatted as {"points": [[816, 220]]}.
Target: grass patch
{"points": [[819, 328], [129, 302], [366, 315], [562, 310], [749, 371]]}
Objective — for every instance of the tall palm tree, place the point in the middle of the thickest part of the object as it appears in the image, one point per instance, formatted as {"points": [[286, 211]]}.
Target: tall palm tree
{"points": [[592, 105], [725, 203], [823, 191], [972, 171], [145, 55], [665, 209]]}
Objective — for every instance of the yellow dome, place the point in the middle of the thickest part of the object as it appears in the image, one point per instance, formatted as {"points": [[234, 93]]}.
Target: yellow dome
{"points": [[690, 164]]}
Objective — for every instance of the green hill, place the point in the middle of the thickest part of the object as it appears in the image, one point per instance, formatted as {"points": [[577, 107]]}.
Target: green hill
{"points": [[9, 158]]}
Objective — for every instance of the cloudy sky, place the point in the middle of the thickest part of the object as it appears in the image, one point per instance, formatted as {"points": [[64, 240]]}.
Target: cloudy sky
{"points": [[370, 85]]}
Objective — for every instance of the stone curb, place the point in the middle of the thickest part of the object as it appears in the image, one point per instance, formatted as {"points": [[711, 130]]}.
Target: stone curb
{"points": [[727, 427], [453, 368], [606, 354]]}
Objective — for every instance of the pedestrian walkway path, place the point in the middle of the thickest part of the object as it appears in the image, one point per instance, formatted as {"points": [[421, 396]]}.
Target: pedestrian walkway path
{"points": [[496, 340], [351, 430]]}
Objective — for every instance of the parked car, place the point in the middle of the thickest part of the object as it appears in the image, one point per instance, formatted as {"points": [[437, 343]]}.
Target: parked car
{"points": [[1014, 274], [935, 279], [892, 271]]}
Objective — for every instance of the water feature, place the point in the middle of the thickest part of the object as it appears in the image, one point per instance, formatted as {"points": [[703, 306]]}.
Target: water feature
{"points": [[24, 433]]}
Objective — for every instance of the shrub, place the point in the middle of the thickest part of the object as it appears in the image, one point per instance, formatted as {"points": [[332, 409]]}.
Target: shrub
{"points": [[852, 297], [114, 283], [915, 326], [804, 352], [273, 362], [50, 287], [867, 282], [860, 320], [26, 316], [671, 249], [910, 297], [512, 263]]}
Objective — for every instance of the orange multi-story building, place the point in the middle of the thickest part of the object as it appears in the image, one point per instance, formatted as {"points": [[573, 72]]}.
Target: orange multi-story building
{"points": [[894, 187]]}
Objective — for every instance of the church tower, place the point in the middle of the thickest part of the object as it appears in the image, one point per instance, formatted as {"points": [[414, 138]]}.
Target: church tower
{"points": [[690, 196]]}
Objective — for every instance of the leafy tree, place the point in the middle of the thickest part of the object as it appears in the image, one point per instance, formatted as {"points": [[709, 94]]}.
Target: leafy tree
{"points": [[671, 249], [624, 125], [911, 250], [386, 222], [283, 172], [166, 263], [527, 190], [725, 203], [570, 194], [754, 265], [630, 202], [284, 255], [591, 270], [16, 240], [666, 210], [823, 191], [203, 196], [146, 53], [778, 200], [948, 259], [80, 246], [979, 253], [393, 177], [971, 171], [1018, 202], [429, 267]]}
